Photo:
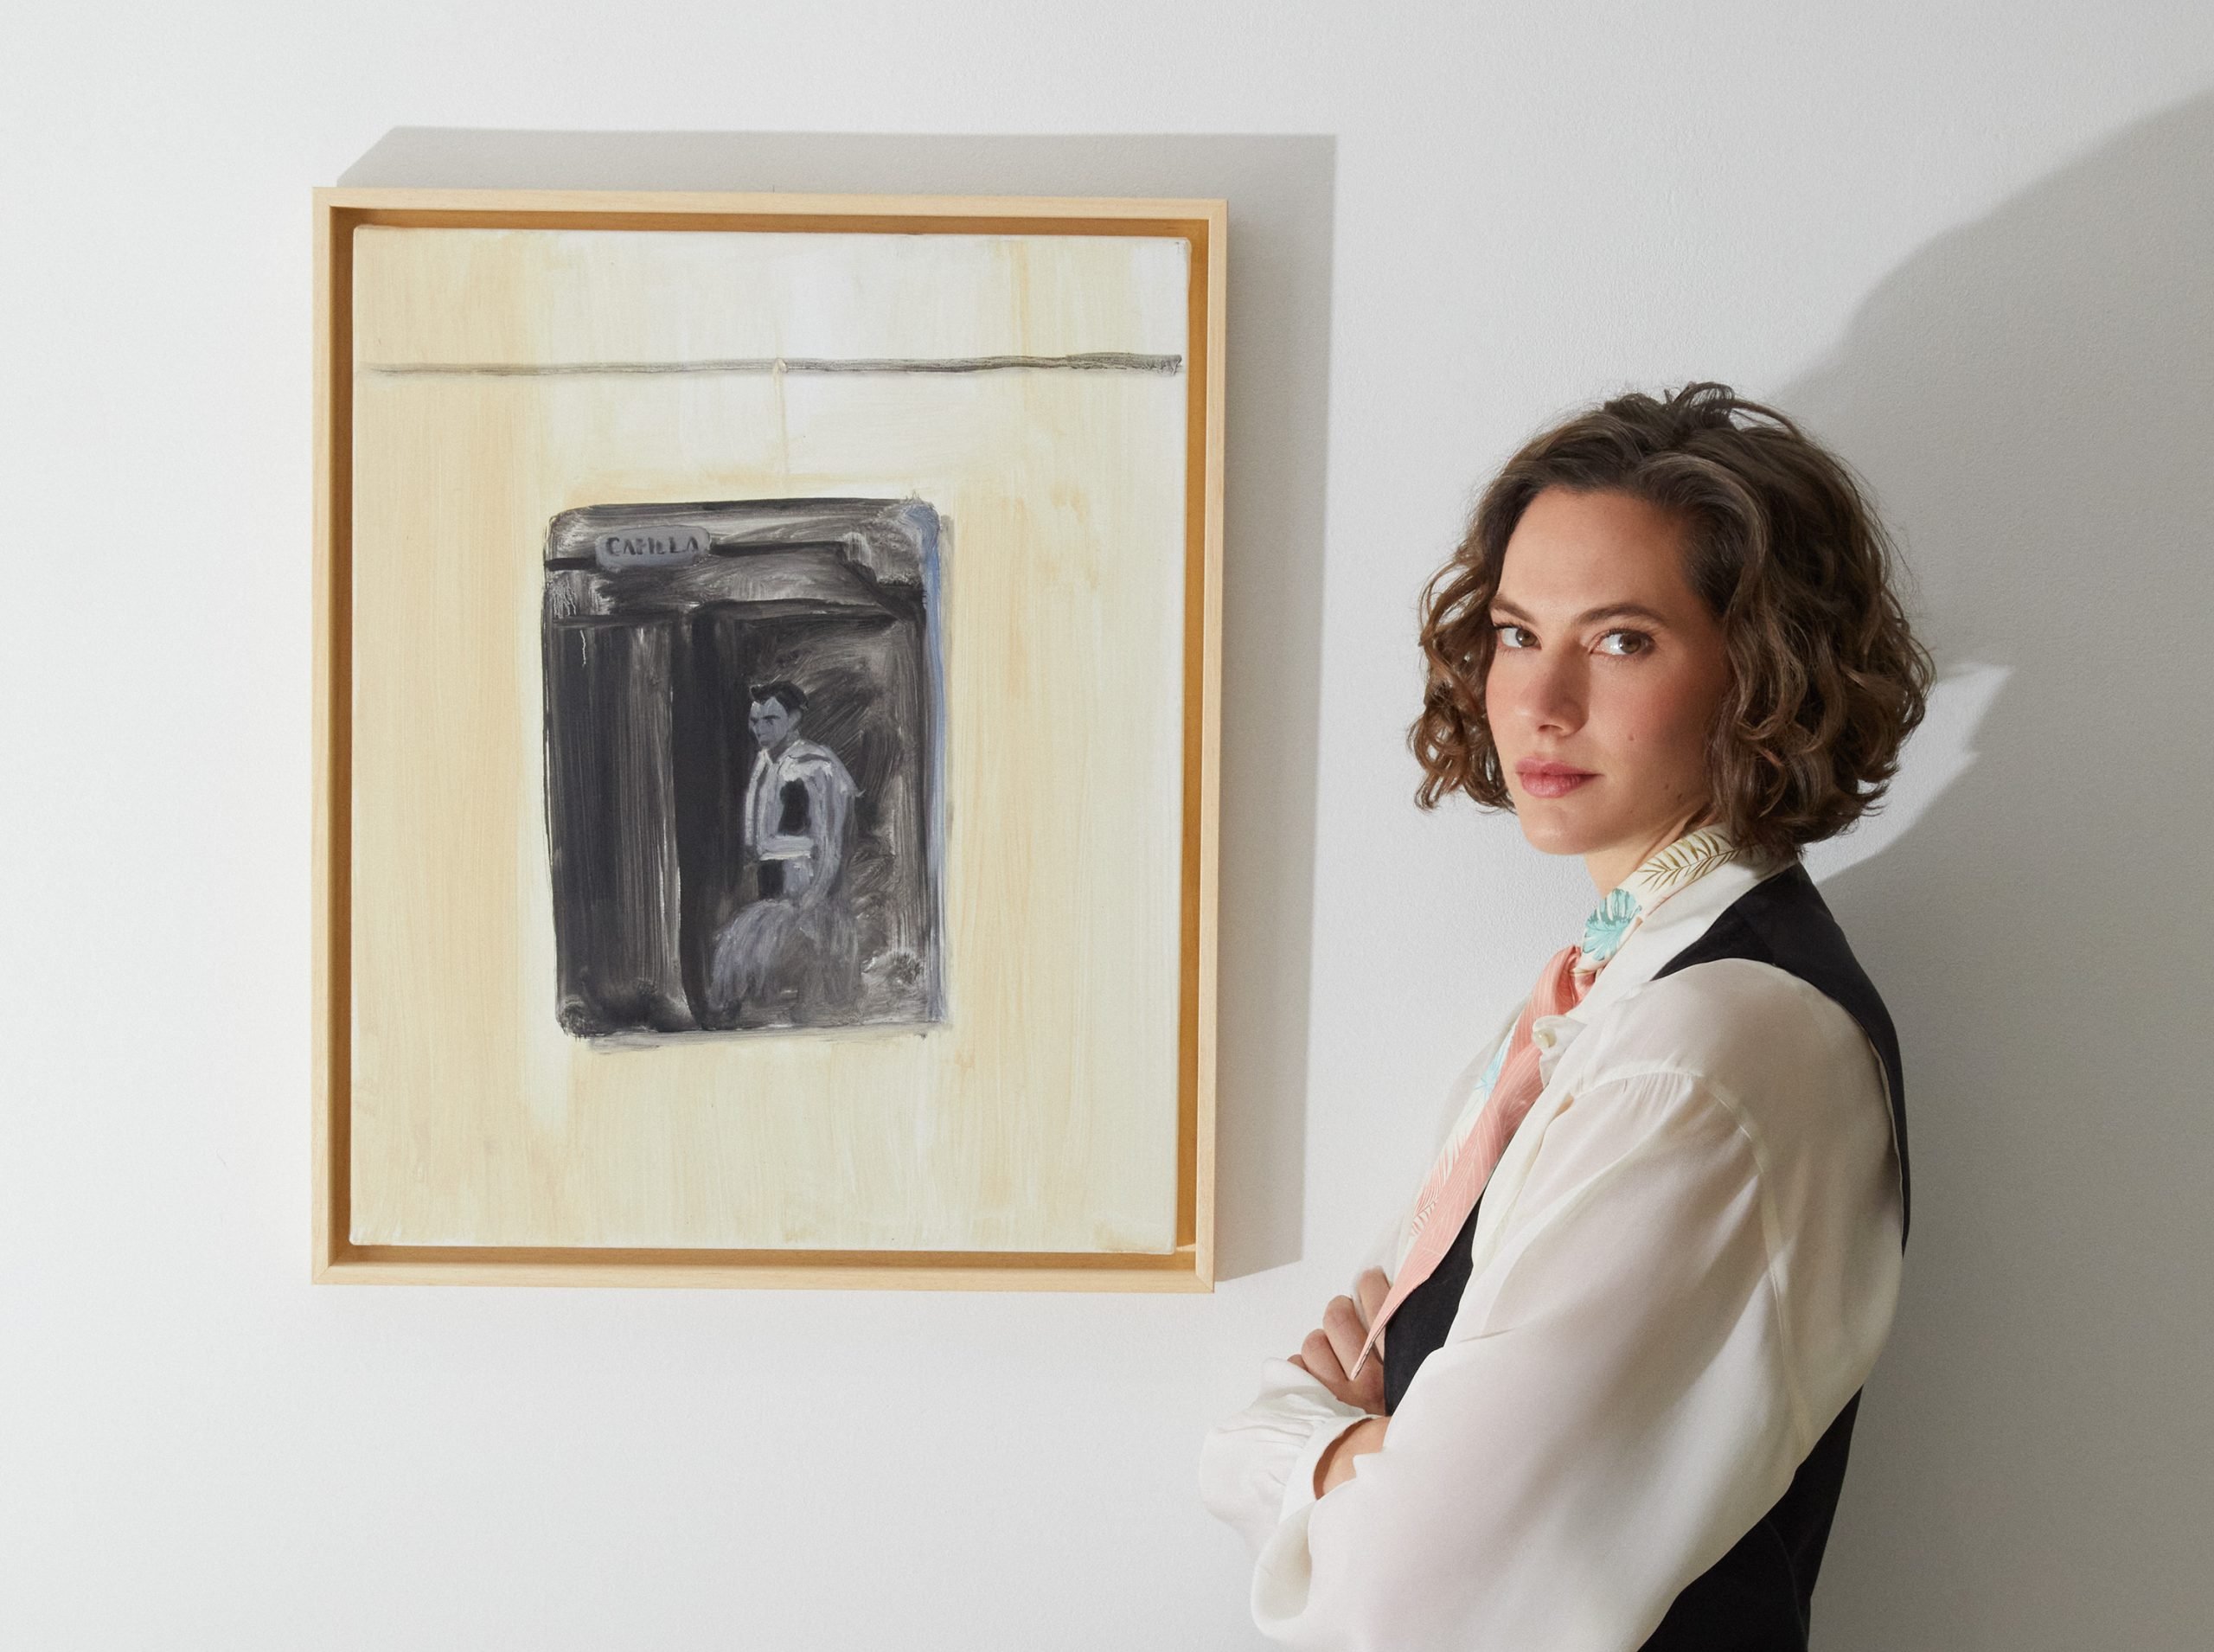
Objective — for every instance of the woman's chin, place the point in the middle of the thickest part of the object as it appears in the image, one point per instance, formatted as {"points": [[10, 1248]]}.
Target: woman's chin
{"points": [[1556, 826]]}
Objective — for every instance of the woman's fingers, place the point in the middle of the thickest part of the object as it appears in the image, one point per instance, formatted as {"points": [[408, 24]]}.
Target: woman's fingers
{"points": [[1339, 1389], [1346, 1327], [1318, 1354], [1372, 1288], [1350, 1330], [1330, 1349]]}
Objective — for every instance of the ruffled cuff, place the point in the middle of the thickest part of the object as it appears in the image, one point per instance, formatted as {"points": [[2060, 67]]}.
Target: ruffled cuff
{"points": [[1258, 1467]]}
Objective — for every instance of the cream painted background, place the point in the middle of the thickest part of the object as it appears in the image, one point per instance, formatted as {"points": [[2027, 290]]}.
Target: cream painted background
{"points": [[1042, 1114], [1970, 239]]}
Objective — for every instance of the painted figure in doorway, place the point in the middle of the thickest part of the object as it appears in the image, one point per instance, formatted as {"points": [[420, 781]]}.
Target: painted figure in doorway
{"points": [[797, 939]]}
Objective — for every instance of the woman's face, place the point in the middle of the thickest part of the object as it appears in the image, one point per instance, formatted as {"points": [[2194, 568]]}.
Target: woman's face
{"points": [[1606, 677]]}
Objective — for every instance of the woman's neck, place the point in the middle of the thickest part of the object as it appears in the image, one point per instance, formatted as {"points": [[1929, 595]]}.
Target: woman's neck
{"points": [[1611, 867]]}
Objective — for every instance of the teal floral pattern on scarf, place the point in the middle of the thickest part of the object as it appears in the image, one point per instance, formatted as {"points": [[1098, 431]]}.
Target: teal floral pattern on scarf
{"points": [[1688, 859], [1604, 929]]}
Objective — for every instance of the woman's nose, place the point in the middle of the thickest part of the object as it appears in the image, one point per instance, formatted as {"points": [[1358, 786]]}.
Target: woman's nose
{"points": [[1554, 696]]}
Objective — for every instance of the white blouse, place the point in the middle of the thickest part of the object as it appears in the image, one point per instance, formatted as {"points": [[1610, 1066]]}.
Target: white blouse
{"points": [[1677, 1282]]}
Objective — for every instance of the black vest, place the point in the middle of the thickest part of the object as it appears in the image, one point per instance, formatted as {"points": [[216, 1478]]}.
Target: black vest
{"points": [[1758, 1597]]}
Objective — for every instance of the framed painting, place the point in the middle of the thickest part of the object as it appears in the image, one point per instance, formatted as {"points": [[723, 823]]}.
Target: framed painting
{"points": [[766, 711]]}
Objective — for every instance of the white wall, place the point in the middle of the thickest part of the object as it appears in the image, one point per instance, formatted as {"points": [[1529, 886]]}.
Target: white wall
{"points": [[1973, 244]]}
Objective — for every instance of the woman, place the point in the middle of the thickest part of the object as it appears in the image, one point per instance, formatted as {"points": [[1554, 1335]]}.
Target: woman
{"points": [[1598, 1394]]}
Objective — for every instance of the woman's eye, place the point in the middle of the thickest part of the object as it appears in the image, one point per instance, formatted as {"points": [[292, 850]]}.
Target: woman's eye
{"points": [[1511, 635], [1625, 642]]}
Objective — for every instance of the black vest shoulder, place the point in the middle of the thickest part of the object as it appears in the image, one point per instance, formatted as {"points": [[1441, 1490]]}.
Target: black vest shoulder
{"points": [[1758, 1597]]}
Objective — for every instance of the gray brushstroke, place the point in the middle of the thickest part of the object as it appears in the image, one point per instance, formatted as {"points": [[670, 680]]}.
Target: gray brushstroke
{"points": [[1086, 362]]}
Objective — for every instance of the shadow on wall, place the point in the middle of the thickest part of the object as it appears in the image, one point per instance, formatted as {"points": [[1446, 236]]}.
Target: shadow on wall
{"points": [[1281, 194], [2032, 399]]}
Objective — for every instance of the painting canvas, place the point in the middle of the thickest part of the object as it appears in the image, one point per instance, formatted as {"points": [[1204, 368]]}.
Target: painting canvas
{"points": [[771, 707]]}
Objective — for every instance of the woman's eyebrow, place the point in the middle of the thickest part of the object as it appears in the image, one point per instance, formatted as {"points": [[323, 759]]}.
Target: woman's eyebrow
{"points": [[1589, 615]]}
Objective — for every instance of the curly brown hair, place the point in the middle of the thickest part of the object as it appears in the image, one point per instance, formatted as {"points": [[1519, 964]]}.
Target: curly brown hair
{"points": [[1826, 681]]}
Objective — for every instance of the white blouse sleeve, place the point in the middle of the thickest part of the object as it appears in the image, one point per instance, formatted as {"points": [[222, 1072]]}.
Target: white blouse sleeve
{"points": [[1257, 1466], [1616, 1405]]}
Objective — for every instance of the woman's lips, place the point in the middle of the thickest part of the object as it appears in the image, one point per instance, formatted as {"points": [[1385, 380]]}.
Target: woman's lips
{"points": [[1552, 779]]}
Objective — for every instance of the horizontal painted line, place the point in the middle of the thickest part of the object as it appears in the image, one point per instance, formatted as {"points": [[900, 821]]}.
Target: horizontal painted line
{"points": [[1091, 361]]}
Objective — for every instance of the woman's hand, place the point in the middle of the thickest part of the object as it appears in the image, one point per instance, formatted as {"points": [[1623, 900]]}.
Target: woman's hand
{"points": [[1335, 1466], [1326, 1354], [1328, 1351]]}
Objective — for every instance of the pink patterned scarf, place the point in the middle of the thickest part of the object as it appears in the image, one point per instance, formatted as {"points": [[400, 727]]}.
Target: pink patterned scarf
{"points": [[1457, 1176]]}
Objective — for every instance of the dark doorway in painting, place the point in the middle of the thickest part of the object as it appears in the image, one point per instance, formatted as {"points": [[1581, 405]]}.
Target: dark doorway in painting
{"points": [[743, 740]]}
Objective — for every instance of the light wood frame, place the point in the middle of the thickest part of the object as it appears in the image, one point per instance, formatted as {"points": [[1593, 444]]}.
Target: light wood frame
{"points": [[1202, 224]]}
